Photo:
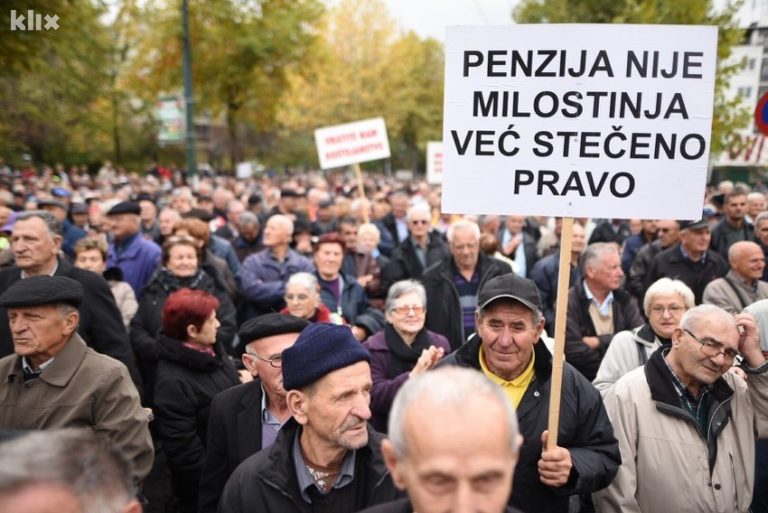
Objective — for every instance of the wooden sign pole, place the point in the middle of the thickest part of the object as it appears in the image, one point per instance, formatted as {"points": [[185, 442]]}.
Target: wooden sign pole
{"points": [[361, 190], [564, 274]]}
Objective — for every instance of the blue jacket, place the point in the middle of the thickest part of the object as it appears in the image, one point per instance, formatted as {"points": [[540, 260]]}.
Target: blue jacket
{"points": [[353, 302], [263, 278], [138, 261], [71, 234]]}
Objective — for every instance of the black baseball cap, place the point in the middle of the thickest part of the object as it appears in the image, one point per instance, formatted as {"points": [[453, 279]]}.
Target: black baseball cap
{"points": [[509, 286]]}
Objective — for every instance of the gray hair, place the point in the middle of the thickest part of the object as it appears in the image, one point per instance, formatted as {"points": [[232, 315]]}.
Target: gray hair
{"points": [[55, 227], [692, 316], [401, 288], [419, 208], [665, 286], [306, 280], [248, 218], [284, 221], [762, 216], [537, 316], [80, 460], [449, 387], [595, 251], [463, 225]]}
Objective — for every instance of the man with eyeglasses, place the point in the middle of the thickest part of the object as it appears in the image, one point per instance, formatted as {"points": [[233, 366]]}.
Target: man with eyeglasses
{"points": [[668, 234], [743, 285], [687, 427], [246, 418]]}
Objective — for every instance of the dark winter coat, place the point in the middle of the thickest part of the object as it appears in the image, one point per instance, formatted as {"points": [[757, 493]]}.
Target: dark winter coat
{"points": [[405, 506], [353, 302], [187, 382], [672, 264], [404, 264], [584, 430], [266, 482], [444, 314], [626, 316]]}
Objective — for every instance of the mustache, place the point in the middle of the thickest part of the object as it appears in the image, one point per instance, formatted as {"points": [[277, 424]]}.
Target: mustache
{"points": [[352, 422]]}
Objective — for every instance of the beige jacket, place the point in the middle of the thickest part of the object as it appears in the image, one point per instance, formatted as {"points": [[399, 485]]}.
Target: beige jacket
{"points": [[80, 388], [664, 458]]}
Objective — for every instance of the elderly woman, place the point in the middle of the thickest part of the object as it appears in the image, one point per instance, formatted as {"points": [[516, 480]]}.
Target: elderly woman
{"points": [[180, 269], [665, 303], [193, 367], [404, 348], [302, 296], [339, 292]]}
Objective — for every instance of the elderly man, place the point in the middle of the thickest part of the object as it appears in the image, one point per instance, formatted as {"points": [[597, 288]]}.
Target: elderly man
{"points": [[452, 284], [165, 221], [743, 285], [136, 256], [423, 248], [433, 438], [509, 351], [686, 426], [668, 235], [396, 221], [733, 227], [248, 239], [65, 471], [35, 243], [264, 274], [246, 418], [756, 204], [597, 308], [518, 245], [761, 237], [54, 380], [325, 458], [633, 244], [70, 232]]}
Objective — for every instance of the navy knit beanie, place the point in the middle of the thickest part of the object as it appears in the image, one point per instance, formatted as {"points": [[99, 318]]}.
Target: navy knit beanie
{"points": [[320, 349]]}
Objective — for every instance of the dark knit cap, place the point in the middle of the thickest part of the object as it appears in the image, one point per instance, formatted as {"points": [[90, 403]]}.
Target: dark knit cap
{"points": [[42, 290], [320, 349], [270, 324]]}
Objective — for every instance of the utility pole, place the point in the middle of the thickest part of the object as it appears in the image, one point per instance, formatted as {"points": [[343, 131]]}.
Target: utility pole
{"points": [[189, 97]]}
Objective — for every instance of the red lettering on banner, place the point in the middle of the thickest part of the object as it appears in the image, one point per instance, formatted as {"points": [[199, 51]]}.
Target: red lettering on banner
{"points": [[367, 134]]}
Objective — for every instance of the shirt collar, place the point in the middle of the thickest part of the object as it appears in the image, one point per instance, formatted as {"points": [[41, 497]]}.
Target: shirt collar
{"points": [[522, 380], [305, 479], [27, 367], [55, 268], [688, 257], [606, 304]]}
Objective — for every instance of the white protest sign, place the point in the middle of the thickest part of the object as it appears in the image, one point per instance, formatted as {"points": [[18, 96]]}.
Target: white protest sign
{"points": [[244, 170], [578, 120], [351, 143], [435, 162]]}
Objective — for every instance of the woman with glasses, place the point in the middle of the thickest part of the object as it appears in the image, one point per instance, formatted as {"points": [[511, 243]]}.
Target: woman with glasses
{"points": [[665, 303], [302, 299], [193, 367], [403, 349]]}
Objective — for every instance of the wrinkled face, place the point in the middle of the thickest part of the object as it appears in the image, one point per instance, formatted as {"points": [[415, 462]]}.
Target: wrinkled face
{"points": [[451, 466], [755, 205], [269, 348], [348, 232], [148, 211], [668, 231], [606, 274], [40, 498], [465, 248], [749, 262], [508, 337], [328, 259], [91, 260], [407, 314], [300, 301], [206, 335], [696, 240], [338, 407], [276, 233], [367, 241], [40, 331], [736, 208], [32, 244], [665, 312], [182, 260], [124, 225], [761, 231], [166, 221], [691, 363], [418, 224]]}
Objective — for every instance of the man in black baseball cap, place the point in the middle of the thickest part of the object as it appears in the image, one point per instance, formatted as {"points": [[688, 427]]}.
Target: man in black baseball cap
{"points": [[55, 381], [508, 350], [246, 418]]}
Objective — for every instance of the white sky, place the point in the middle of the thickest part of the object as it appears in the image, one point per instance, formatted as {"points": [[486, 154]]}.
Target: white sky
{"points": [[430, 17]]}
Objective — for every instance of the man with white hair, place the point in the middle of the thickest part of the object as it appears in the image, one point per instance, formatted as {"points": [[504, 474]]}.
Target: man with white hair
{"points": [[436, 453], [686, 426], [453, 283]]}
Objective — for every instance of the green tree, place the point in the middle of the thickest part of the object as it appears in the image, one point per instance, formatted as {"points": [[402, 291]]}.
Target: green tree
{"points": [[727, 116]]}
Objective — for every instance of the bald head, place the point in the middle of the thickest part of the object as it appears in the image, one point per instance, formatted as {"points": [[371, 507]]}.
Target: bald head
{"points": [[747, 260]]}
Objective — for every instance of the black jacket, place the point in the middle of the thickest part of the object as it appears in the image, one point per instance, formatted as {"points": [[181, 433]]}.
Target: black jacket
{"points": [[266, 482], [444, 314], [584, 430], [626, 316], [404, 506], [234, 434], [187, 381], [672, 264], [101, 324], [146, 324], [404, 263], [529, 248], [638, 271]]}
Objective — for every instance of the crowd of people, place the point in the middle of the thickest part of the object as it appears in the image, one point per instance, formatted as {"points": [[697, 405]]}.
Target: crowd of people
{"points": [[284, 344]]}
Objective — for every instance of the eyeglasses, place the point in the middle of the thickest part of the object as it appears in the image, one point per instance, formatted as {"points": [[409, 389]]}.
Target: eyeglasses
{"points": [[275, 361], [713, 348], [405, 310], [672, 309], [297, 297], [419, 221]]}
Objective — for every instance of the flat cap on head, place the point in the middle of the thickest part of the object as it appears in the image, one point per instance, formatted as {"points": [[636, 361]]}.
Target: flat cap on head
{"points": [[269, 325], [42, 290], [125, 207]]}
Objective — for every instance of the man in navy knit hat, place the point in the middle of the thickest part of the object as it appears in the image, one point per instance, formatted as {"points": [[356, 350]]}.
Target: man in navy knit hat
{"points": [[326, 458]]}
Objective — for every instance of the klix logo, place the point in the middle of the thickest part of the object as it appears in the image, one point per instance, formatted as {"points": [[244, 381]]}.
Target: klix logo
{"points": [[32, 21]]}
